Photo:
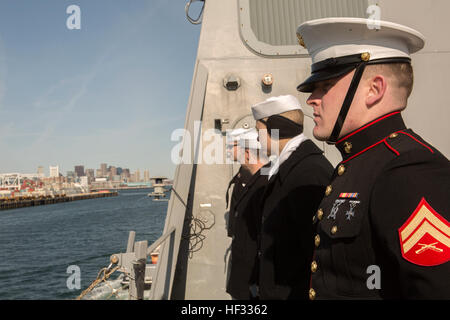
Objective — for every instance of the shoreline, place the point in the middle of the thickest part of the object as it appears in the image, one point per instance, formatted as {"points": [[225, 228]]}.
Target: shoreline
{"points": [[8, 204]]}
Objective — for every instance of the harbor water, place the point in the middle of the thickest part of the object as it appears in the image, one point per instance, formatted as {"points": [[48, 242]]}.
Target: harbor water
{"points": [[39, 244]]}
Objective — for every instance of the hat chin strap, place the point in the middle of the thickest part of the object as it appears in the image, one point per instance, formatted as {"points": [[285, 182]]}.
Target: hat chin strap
{"points": [[347, 103]]}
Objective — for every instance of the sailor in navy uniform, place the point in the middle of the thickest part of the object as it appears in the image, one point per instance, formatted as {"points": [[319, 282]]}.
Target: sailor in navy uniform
{"points": [[245, 225], [382, 228], [235, 151], [296, 182]]}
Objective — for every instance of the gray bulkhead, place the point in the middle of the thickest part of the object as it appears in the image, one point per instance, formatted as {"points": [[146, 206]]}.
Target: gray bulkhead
{"points": [[245, 39]]}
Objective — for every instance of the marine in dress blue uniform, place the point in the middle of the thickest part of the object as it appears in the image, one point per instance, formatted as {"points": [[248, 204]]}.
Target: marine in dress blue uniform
{"points": [[382, 229]]}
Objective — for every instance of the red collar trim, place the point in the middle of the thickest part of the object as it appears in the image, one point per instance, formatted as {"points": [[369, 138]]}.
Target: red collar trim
{"points": [[387, 145], [431, 150], [367, 125], [362, 151]]}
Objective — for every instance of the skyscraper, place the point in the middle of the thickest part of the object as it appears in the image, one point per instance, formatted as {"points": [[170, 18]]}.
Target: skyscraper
{"points": [[146, 176], [90, 173], [70, 176], [79, 170], [40, 170], [138, 175], [126, 173], [54, 171], [104, 169]]}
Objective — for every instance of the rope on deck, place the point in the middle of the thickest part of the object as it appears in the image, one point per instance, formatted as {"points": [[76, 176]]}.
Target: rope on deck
{"points": [[102, 276]]}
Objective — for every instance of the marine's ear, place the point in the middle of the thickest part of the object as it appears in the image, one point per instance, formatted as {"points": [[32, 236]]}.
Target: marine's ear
{"points": [[376, 86]]}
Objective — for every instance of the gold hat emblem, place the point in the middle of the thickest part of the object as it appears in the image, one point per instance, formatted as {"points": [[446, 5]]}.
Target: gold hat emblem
{"points": [[301, 41], [365, 56]]}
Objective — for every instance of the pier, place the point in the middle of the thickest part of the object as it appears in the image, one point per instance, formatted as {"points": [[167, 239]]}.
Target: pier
{"points": [[21, 202]]}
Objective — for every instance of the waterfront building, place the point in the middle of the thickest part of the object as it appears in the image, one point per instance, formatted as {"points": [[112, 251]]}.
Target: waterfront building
{"points": [[70, 176], [146, 176], [90, 173], [137, 176], [126, 173], [104, 169], [79, 170], [40, 171], [54, 172], [84, 181]]}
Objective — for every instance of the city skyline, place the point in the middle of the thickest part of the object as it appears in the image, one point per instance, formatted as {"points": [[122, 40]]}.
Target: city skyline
{"points": [[115, 89], [90, 171], [46, 170]]}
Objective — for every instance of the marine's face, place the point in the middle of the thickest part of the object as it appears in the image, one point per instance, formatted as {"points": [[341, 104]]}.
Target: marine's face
{"points": [[326, 100]]}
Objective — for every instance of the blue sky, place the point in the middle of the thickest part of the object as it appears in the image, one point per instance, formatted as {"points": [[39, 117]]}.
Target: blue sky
{"points": [[111, 92]]}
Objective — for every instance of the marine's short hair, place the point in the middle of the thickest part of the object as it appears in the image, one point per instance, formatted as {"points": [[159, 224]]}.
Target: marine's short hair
{"points": [[402, 73]]}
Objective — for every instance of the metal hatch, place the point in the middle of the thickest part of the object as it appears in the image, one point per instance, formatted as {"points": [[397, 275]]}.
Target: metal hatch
{"points": [[268, 26]]}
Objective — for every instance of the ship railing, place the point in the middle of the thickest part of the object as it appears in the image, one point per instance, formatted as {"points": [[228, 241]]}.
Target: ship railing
{"points": [[140, 275]]}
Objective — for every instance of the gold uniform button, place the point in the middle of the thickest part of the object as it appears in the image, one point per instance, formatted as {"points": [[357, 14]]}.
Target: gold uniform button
{"points": [[312, 294], [319, 214], [348, 147], [313, 266], [394, 135], [334, 229], [341, 170], [317, 240], [328, 190]]}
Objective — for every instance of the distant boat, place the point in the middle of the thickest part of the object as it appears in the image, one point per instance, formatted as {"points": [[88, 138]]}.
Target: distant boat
{"points": [[158, 196], [159, 193]]}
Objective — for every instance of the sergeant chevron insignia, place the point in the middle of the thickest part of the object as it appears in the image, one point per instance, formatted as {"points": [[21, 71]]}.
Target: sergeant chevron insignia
{"points": [[425, 237]]}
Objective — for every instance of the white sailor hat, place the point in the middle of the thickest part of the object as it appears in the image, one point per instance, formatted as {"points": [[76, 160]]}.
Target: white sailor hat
{"points": [[247, 138], [250, 139], [339, 45], [275, 105]]}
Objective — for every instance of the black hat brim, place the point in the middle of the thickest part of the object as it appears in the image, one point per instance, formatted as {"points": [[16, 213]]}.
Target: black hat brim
{"points": [[325, 74]]}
